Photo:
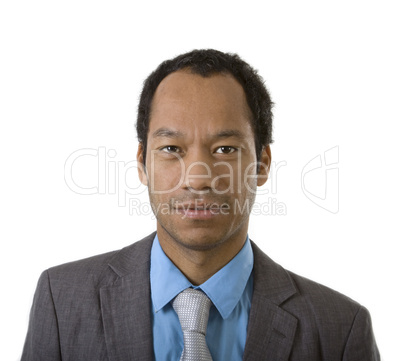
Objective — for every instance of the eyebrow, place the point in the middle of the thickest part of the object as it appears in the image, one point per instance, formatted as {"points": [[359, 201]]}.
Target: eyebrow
{"points": [[170, 133], [227, 133], [167, 133]]}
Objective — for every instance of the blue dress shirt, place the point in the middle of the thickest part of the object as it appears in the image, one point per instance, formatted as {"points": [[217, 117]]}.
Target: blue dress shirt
{"points": [[230, 290]]}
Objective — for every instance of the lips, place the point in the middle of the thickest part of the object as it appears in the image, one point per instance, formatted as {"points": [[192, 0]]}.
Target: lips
{"points": [[200, 210], [199, 206], [193, 206]]}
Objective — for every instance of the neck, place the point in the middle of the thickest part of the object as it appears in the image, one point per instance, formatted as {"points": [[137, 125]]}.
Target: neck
{"points": [[198, 265]]}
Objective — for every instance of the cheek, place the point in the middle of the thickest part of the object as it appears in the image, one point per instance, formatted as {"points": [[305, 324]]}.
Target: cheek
{"points": [[249, 177], [164, 177]]}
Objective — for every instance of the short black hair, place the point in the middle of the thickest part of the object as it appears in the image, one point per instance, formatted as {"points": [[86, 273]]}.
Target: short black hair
{"points": [[207, 62]]}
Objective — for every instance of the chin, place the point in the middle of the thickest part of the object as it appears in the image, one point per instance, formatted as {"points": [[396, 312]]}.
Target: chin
{"points": [[196, 245], [199, 239]]}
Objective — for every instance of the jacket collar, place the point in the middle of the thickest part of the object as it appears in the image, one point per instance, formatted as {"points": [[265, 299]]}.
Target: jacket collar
{"points": [[125, 304], [271, 280], [271, 329]]}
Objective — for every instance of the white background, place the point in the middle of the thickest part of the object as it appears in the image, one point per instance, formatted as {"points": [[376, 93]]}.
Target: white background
{"points": [[70, 77]]}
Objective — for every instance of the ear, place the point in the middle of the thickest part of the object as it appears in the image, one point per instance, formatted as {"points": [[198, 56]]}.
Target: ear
{"points": [[264, 165], [142, 172]]}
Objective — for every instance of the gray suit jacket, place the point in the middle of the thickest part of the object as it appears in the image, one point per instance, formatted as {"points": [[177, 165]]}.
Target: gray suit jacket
{"points": [[99, 309]]}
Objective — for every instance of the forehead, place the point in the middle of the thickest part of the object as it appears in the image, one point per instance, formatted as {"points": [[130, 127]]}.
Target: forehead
{"points": [[185, 94], [181, 82]]}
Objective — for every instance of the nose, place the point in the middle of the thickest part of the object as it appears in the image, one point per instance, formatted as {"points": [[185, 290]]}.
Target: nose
{"points": [[199, 173]]}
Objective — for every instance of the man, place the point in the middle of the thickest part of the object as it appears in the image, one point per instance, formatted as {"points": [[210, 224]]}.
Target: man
{"points": [[198, 288]]}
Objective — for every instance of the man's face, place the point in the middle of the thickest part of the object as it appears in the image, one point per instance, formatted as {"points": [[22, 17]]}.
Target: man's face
{"points": [[201, 159]]}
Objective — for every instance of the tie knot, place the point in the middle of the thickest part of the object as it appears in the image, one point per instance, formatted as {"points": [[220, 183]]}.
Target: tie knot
{"points": [[192, 307]]}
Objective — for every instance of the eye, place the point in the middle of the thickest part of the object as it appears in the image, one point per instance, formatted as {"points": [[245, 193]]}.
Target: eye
{"points": [[170, 149], [226, 149]]}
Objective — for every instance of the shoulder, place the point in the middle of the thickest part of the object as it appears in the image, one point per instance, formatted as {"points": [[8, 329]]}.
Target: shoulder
{"points": [[300, 295], [83, 270], [325, 303], [102, 269], [331, 323], [341, 325]]}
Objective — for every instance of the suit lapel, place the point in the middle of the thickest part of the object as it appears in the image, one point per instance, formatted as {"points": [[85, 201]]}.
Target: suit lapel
{"points": [[125, 304], [270, 332], [271, 329]]}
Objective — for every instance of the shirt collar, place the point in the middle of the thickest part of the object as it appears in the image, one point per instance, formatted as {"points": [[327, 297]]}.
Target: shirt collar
{"points": [[224, 288]]}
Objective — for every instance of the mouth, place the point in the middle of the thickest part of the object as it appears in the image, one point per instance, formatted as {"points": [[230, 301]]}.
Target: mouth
{"points": [[201, 210]]}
